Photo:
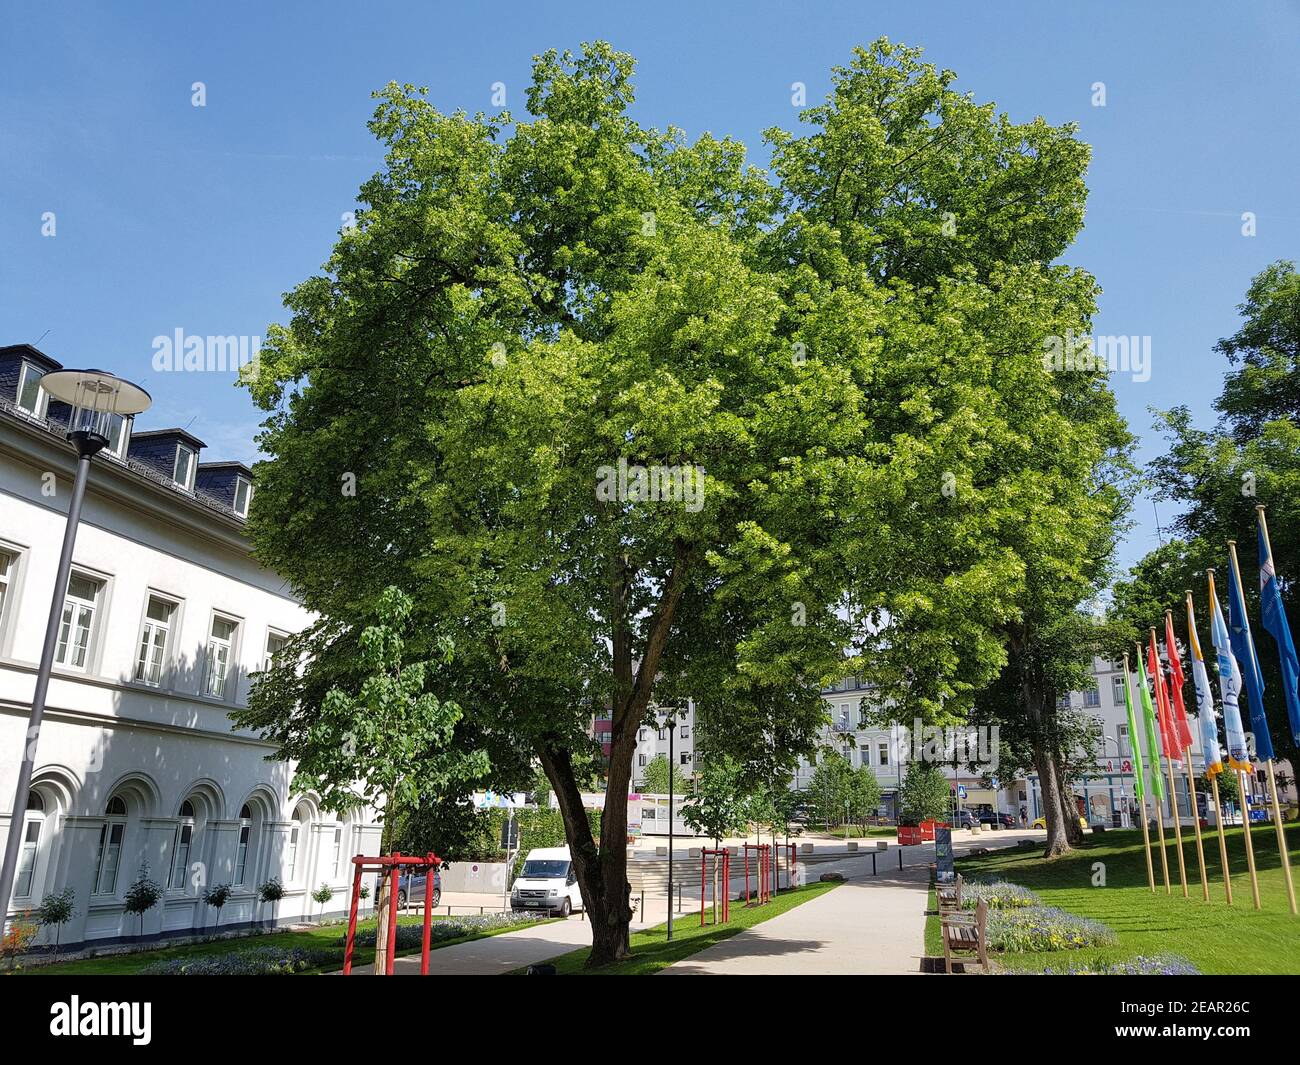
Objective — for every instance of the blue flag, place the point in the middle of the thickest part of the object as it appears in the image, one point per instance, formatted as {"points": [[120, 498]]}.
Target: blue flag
{"points": [[1243, 650], [1275, 623]]}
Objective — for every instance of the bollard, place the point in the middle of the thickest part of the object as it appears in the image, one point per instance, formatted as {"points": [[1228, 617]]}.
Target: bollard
{"points": [[873, 862], [679, 898], [643, 904], [900, 857]]}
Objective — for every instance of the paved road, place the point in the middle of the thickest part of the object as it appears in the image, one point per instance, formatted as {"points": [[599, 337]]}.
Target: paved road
{"points": [[498, 954]]}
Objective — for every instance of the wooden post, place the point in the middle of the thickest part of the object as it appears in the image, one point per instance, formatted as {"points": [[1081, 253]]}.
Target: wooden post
{"points": [[1178, 827], [1196, 822], [1160, 827], [382, 914], [1281, 836], [1146, 842], [1223, 841], [1245, 831]]}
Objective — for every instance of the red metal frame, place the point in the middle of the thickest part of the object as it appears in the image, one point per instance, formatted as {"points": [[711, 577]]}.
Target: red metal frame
{"points": [[388, 864], [726, 882], [762, 862]]}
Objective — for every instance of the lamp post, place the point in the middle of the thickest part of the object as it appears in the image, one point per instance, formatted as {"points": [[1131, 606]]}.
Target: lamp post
{"points": [[96, 398]]}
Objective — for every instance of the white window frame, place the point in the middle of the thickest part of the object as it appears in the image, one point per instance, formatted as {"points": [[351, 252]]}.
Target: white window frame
{"points": [[229, 681], [180, 858], [151, 626], [113, 824], [243, 482], [291, 849], [42, 397], [338, 851], [192, 466], [8, 580], [73, 607], [30, 851], [271, 634], [242, 848], [882, 752]]}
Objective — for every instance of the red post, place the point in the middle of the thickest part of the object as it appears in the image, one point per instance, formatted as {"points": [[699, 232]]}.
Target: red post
{"points": [[704, 879], [394, 870], [352, 917], [429, 871], [746, 850], [726, 890]]}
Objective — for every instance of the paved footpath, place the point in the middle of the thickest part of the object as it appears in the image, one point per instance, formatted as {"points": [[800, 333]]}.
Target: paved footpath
{"points": [[866, 925]]}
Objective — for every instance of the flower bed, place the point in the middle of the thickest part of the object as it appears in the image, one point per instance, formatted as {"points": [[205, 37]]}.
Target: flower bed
{"points": [[411, 936], [1036, 928], [999, 894], [1142, 965], [256, 961]]}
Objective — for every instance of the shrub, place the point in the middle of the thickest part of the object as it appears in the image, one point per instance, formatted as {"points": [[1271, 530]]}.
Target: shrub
{"points": [[999, 894], [1142, 965], [217, 896], [22, 930], [271, 890], [143, 895], [257, 961], [57, 910], [1035, 928]]}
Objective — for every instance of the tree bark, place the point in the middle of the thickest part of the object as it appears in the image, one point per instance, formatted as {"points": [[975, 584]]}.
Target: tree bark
{"points": [[602, 870]]}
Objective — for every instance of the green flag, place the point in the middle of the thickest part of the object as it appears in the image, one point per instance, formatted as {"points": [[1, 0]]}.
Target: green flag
{"points": [[1149, 721], [1139, 788]]}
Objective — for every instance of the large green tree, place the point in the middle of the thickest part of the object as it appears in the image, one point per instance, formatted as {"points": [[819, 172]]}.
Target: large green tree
{"points": [[632, 421]]}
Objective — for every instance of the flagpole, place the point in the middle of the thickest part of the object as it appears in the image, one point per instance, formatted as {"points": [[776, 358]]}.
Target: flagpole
{"points": [[1272, 783], [1139, 786], [1160, 814], [1187, 769], [1223, 841], [1173, 791], [1245, 831]]}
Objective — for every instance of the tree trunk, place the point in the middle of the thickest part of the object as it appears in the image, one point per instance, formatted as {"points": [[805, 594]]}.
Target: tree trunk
{"points": [[1036, 700], [381, 922], [1069, 809]]}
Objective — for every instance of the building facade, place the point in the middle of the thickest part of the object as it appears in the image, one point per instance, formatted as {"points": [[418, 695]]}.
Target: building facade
{"points": [[165, 618]]}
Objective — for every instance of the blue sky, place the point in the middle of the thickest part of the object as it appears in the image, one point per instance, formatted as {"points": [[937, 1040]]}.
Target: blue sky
{"points": [[170, 216]]}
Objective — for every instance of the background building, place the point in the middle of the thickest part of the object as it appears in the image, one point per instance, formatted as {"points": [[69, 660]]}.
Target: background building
{"points": [[165, 618]]}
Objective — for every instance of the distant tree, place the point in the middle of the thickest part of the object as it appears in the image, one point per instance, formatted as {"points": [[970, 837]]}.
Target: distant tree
{"points": [[717, 807], [831, 788], [864, 794], [654, 777], [925, 794]]}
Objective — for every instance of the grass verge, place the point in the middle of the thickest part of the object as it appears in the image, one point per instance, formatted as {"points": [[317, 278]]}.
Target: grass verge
{"points": [[651, 950], [1106, 879]]}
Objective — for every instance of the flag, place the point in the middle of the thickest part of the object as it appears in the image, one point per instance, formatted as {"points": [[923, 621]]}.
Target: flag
{"points": [[1243, 648], [1168, 737], [1204, 699], [1139, 789], [1229, 684], [1149, 725], [1176, 683], [1275, 623]]}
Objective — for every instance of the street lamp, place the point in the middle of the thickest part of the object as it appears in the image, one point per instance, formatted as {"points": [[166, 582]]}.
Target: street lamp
{"points": [[96, 399]]}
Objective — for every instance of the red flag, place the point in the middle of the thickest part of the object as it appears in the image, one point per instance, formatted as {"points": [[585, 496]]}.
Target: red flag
{"points": [[1168, 738], [1176, 682]]}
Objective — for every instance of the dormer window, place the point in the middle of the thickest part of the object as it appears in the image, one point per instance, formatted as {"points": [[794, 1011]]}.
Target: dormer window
{"points": [[243, 496], [30, 396], [183, 467]]}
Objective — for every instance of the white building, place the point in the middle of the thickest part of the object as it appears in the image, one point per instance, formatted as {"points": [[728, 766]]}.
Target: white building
{"points": [[1104, 795], [166, 615]]}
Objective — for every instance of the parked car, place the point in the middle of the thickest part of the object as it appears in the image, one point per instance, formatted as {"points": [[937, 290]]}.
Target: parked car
{"points": [[964, 819], [1041, 822], [997, 820], [547, 882], [410, 888]]}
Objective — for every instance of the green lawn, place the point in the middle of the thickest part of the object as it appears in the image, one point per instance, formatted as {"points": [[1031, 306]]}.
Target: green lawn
{"points": [[855, 832], [1213, 936], [323, 937], [651, 950]]}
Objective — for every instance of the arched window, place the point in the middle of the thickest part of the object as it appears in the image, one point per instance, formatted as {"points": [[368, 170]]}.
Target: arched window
{"points": [[31, 843], [245, 837], [297, 838], [181, 847], [109, 855], [338, 850]]}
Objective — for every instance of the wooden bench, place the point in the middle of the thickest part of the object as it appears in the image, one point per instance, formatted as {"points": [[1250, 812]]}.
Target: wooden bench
{"points": [[966, 933], [949, 896]]}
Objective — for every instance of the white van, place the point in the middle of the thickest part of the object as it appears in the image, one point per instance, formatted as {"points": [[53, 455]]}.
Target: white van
{"points": [[547, 882]]}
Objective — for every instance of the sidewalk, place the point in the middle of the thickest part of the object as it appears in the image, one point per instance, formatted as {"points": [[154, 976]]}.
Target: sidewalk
{"points": [[499, 954], [868, 925]]}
